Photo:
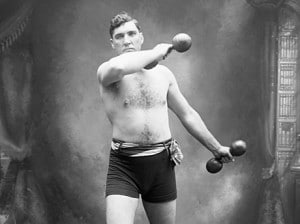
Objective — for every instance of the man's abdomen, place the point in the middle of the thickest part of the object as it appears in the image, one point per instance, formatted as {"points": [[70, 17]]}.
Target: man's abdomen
{"points": [[142, 126]]}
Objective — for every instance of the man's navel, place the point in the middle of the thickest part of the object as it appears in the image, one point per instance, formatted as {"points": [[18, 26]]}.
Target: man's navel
{"points": [[126, 103]]}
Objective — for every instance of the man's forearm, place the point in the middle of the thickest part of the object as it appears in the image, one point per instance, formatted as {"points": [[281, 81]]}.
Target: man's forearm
{"points": [[116, 68], [132, 62]]}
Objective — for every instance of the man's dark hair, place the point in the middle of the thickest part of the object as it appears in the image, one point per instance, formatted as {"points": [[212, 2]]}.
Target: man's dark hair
{"points": [[119, 19]]}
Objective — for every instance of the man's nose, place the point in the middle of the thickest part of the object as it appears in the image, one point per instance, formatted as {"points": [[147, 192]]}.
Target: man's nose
{"points": [[127, 39]]}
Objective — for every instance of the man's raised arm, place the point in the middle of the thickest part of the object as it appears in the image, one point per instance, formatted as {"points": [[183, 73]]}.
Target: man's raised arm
{"points": [[116, 68]]}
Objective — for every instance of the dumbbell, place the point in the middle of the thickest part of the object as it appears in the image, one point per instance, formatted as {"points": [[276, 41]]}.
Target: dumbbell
{"points": [[237, 148], [181, 42]]}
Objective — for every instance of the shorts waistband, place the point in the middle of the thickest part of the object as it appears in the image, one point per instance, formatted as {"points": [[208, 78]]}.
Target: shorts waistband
{"points": [[136, 149]]}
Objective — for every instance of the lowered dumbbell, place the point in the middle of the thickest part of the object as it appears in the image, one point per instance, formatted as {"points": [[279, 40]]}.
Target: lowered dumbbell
{"points": [[237, 148]]}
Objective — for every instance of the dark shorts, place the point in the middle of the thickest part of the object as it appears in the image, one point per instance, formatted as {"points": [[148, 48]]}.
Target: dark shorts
{"points": [[151, 176]]}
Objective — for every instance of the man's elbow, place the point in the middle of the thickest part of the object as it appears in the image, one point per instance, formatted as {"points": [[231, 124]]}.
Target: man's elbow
{"points": [[190, 116], [112, 74]]}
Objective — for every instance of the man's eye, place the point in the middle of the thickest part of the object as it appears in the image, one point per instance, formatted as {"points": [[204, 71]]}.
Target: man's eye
{"points": [[118, 37], [132, 33]]}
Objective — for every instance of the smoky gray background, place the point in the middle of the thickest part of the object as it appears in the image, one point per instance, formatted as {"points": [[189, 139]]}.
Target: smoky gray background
{"points": [[220, 76]]}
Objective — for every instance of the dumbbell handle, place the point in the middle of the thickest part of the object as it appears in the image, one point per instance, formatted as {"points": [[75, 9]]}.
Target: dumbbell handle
{"points": [[155, 62]]}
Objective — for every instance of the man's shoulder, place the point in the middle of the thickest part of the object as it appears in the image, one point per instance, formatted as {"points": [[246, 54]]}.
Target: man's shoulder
{"points": [[163, 69], [166, 71]]}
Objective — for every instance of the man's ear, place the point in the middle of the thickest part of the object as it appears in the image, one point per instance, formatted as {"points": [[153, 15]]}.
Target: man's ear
{"points": [[112, 44], [142, 38]]}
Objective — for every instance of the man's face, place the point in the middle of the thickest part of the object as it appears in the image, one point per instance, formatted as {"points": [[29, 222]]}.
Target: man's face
{"points": [[127, 38]]}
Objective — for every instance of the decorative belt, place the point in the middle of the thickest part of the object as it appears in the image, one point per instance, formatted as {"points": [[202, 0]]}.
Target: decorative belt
{"points": [[135, 150]]}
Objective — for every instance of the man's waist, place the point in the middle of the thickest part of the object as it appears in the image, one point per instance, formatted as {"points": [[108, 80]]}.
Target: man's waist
{"points": [[139, 149]]}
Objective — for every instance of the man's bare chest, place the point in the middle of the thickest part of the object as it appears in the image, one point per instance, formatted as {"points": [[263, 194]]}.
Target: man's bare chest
{"points": [[141, 91]]}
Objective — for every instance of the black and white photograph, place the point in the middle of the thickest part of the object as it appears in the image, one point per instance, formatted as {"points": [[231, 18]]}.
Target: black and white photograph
{"points": [[149, 112]]}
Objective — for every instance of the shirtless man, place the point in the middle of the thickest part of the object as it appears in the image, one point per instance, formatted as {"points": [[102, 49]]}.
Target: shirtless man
{"points": [[136, 101]]}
